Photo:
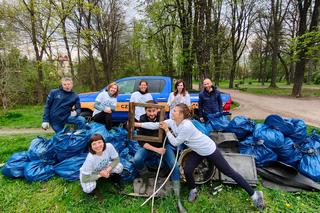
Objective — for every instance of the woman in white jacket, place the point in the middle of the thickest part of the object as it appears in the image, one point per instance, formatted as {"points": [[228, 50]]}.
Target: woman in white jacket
{"points": [[179, 96], [184, 132], [141, 96]]}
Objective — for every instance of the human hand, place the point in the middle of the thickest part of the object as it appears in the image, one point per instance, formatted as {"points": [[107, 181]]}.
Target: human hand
{"points": [[45, 125], [73, 113], [107, 110], [201, 119], [104, 173], [164, 126], [161, 150]]}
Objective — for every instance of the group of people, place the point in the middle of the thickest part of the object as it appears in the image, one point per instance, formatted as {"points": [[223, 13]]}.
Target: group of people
{"points": [[63, 106]]}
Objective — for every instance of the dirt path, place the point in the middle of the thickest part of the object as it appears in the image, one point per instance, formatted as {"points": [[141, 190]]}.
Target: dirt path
{"points": [[7, 131], [260, 106]]}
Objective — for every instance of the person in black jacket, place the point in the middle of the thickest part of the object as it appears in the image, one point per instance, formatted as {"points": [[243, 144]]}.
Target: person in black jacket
{"points": [[62, 107], [210, 101], [149, 148]]}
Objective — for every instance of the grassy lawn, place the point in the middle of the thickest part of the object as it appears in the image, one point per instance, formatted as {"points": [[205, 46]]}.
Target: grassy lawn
{"points": [[58, 195], [25, 116]]}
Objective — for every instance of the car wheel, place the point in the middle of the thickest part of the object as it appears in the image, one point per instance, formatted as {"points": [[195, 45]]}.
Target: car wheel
{"points": [[87, 115]]}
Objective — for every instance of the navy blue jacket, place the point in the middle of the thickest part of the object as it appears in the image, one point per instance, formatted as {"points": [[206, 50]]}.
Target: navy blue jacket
{"points": [[59, 106], [209, 102]]}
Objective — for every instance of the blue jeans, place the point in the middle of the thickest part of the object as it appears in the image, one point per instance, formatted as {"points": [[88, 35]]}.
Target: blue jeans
{"points": [[77, 120], [168, 158]]}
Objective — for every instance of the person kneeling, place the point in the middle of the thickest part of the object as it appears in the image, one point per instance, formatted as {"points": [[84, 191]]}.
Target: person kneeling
{"points": [[102, 162]]}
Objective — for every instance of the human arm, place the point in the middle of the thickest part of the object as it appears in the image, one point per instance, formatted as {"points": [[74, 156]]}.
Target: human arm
{"points": [[170, 99], [187, 99], [147, 125], [219, 99], [184, 133], [46, 112], [200, 105], [78, 106], [159, 150]]}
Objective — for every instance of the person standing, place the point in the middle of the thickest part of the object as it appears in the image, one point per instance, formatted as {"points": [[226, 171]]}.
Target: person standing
{"points": [[210, 101], [62, 107], [180, 95], [106, 102], [141, 96]]}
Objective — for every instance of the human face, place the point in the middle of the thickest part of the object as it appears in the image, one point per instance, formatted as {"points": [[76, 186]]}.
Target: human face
{"points": [[207, 84], [180, 87], [67, 85], [113, 89], [143, 87], [152, 113], [97, 146], [177, 114]]}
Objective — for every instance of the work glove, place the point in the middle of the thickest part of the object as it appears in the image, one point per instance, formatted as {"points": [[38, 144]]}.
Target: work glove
{"points": [[73, 113], [45, 125]]}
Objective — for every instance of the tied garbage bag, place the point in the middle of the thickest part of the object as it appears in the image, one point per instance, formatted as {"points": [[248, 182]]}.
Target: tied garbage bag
{"points": [[289, 153], [241, 126], [117, 134], [262, 154], [41, 149], [119, 145], [272, 138], [310, 164], [280, 124], [201, 127], [14, 167], [133, 146], [129, 172], [69, 169], [97, 128], [70, 143], [300, 130], [312, 141], [38, 171]]}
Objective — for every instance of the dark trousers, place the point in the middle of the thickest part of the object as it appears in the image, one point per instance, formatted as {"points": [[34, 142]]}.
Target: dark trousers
{"points": [[216, 158], [104, 118]]}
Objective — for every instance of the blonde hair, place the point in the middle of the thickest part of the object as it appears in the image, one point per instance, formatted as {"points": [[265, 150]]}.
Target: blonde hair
{"points": [[111, 85]]}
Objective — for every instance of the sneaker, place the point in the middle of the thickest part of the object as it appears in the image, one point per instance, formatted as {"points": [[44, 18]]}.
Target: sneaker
{"points": [[192, 195], [258, 200]]}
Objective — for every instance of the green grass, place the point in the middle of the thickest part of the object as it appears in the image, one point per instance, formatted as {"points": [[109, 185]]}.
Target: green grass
{"points": [[58, 195], [25, 116]]}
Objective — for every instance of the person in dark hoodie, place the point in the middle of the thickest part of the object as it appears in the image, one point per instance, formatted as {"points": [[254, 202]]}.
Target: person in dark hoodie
{"points": [[210, 101], [62, 107]]}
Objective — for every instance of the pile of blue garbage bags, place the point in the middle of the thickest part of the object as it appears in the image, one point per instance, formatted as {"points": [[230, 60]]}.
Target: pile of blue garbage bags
{"points": [[66, 151], [280, 139]]}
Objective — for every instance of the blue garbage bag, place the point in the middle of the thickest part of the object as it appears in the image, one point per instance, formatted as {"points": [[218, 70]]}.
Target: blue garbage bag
{"points": [[14, 167], [272, 138], [241, 126], [280, 124], [42, 149], [97, 128], [133, 146], [117, 134], [38, 171], [289, 153], [201, 127], [119, 145], [69, 169], [310, 164], [300, 130], [218, 123], [70, 143], [255, 147], [311, 142], [129, 172]]}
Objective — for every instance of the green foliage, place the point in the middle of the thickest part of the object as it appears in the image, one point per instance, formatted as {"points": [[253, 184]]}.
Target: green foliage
{"points": [[308, 43]]}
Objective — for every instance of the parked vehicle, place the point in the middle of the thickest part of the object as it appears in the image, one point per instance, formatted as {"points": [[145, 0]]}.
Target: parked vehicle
{"points": [[159, 86]]}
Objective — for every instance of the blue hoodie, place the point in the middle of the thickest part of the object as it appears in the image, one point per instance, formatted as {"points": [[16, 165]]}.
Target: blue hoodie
{"points": [[59, 106], [209, 102]]}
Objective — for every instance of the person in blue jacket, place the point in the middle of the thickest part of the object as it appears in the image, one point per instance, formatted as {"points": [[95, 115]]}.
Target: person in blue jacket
{"points": [[62, 107], [210, 101]]}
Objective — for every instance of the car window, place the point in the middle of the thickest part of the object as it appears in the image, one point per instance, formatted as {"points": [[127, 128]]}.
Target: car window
{"points": [[155, 85], [126, 87]]}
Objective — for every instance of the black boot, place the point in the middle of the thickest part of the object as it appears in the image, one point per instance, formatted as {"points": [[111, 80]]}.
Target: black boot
{"points": [[116, 179]]}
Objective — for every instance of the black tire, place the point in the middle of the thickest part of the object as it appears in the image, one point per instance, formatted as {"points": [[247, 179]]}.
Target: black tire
{"points": [[87, 115]]}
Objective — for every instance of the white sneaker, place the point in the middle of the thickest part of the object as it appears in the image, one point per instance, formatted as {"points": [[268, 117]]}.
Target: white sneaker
{"points": [[192, 195], [258, 200]]}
